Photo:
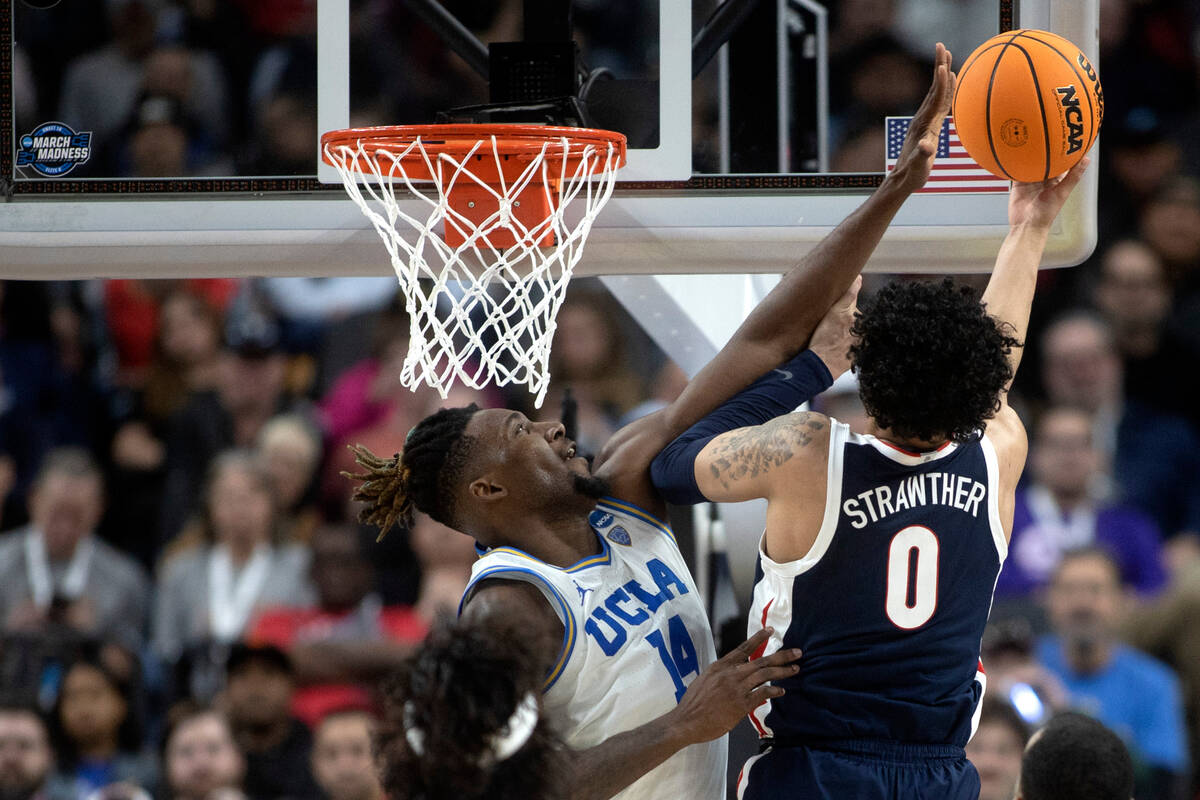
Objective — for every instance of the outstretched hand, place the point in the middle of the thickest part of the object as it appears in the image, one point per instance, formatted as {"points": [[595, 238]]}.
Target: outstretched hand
{"points": [[920, 146], [831, 340], [731, 688], [1037, 204]]}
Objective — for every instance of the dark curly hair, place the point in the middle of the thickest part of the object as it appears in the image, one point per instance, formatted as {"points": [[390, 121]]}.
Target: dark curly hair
{"points": [[459, 690], [423, 477], [931, 362]]}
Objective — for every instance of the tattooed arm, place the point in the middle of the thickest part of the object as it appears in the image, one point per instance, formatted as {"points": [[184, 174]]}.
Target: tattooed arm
{"points": [[783, 460], [775, 459]]}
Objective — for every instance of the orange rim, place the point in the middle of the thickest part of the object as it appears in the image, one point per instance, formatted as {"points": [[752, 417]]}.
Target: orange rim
{"points": [[515, 145]]}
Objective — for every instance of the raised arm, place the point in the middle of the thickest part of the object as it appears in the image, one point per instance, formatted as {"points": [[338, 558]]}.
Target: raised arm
{"points": [[1032, 208], [783, 322]]}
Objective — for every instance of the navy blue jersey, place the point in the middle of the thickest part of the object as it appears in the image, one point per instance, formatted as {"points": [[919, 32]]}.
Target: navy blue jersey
{"points": [[890, 604]]}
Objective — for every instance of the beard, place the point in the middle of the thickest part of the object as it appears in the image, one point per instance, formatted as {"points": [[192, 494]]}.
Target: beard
{"points": [[590, 486]]}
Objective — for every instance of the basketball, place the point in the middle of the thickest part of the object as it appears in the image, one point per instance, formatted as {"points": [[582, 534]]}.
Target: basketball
{"points": [[1028, 105]]}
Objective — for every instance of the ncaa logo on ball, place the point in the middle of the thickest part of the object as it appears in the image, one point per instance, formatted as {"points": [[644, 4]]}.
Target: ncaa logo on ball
{"points": [[1014, 132], [54, 149], [1068, 100]]}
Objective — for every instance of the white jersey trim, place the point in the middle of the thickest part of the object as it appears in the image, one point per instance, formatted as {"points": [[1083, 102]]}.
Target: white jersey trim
{"points": [[744, 775], [993, 472], [838, 433], [552, 595], [899, 454]]}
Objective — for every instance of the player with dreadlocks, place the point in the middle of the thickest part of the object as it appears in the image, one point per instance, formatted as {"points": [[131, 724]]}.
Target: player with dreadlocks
{"points": [[579, 564]]}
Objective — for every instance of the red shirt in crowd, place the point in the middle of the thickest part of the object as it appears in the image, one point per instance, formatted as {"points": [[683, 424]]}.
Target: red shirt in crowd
{"points": [[284, 627]]}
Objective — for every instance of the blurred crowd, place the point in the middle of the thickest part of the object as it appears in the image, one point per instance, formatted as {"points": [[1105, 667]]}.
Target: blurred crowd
{"points": [[188, 606], [214, 88], [187, 601]]}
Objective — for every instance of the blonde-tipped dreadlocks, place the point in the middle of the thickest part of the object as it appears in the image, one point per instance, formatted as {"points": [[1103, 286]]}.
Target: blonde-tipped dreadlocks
{"points": [[384, 490], [422, 478]]}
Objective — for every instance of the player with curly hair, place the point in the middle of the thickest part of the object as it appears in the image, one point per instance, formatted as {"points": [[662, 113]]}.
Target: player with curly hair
{"points": [[463, 720], [882, 546]]}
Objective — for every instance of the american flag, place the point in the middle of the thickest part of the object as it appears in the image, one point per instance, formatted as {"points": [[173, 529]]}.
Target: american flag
{"points": [[954, 170]]}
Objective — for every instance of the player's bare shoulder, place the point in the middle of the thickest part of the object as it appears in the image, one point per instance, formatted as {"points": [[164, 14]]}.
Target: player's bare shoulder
{"points": [[1007, 434], [515, 608], [787, 444]]}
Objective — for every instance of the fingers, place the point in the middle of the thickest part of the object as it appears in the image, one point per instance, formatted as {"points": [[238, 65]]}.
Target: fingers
{"points": [[746, 649], [777, 659], [1074, 174], [761, 676], [763, 694]]}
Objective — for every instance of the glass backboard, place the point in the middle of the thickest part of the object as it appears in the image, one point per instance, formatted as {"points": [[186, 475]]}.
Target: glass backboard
{"points": [[179, 138]]}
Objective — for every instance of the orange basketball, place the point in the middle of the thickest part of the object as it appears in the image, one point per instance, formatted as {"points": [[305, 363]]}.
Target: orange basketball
{"points": [[1028, 105]]}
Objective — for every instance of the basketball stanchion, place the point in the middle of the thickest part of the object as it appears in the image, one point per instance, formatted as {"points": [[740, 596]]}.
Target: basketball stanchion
{"points": [[485, 267]]}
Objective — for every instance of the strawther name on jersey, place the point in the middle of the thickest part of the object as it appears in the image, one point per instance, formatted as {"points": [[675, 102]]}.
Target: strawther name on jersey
{"points": [[932, 488]]}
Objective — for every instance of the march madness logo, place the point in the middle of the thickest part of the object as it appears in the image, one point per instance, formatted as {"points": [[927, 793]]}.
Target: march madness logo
{"points": [[53, 149]]}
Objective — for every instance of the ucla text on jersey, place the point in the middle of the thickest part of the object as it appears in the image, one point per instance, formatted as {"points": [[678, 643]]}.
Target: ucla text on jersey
{"points": [[635, 635]]}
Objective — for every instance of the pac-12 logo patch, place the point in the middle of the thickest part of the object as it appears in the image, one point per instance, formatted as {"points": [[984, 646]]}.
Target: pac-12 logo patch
{"points": [[619, 535], [54, 149], [600, 519]]}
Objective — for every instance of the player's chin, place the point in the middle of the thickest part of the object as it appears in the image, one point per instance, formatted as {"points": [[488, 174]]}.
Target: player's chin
{"points": [[589, 485]]}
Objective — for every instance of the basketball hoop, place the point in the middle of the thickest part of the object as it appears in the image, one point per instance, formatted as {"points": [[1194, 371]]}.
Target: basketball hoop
{"points": [[485, 271]]}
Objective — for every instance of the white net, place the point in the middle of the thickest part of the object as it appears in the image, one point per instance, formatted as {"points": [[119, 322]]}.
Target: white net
{"points": [[483, 310]]}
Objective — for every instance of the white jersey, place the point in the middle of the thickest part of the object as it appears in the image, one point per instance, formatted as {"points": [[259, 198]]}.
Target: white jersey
{"points": [[635, 634]]}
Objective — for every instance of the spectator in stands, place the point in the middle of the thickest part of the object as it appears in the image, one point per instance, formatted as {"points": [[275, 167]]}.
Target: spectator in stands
{"points": [[996, 749], [289, 447], [57, 571], [307, 306], [251, 388], [277, 746], [134, 318], [209, 593], [26, 758], [588, 356], [1140, 157], [286, 130], [446, 557], [1167, 629], [101, 90], [97, 733], [201, 761], [1135, 695], [1014, 675], [1170, 223], [185, 362], [1154, 457], [48, 397], [1060, 509], [349, 639], [343, 759], [1162, 367], [368, 392], [1074, 757]]}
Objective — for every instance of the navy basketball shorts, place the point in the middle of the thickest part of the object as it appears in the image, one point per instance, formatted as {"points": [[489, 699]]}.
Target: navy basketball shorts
{"points": [[863, 770]]}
